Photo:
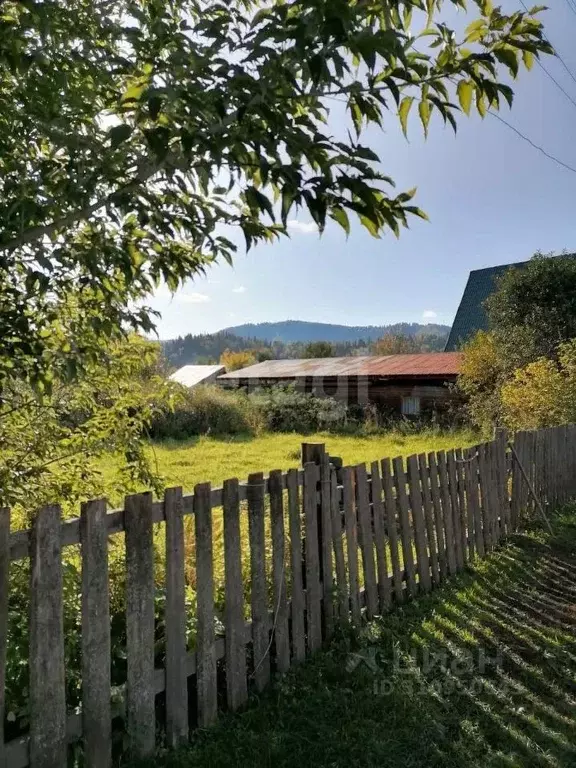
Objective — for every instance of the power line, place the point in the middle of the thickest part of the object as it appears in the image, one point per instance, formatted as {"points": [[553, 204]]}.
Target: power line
{"points": [[532, 144], [558, 56]]}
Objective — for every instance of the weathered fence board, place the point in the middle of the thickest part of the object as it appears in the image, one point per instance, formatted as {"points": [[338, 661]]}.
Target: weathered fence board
{"points": [[236, 684], [339, 560], [297, 600], [366, 541], [380, 539], [313, 594], [140, 625], [463, 518], [405, 529], [281, 632], [351, 543], [96, 689], [325, 511], [422, 558], [455, 507], [438, 515], [447, 511], [429, 517], [4, 590], [392, 528], [260, 615]]}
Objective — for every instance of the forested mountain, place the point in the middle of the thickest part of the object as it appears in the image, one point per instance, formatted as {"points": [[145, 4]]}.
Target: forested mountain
{"points": [[207, 348], [300, 330]]}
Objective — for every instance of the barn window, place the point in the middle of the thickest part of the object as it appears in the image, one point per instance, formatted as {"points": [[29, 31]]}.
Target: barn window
{"points": [[410, 406]]}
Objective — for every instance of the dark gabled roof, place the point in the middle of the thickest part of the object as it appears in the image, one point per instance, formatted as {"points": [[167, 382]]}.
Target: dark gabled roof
{"points": [[471, 315], [431, 364]]}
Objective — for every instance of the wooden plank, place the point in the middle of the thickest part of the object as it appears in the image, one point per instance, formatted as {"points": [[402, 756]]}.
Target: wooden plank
{"points": [[4, 591], [416, 505], [259, 592], [339, 560], [176, 679], [463, 517], [351, 543], [96, 688], [474, 495], [429, 517], [470, 489], [496, 492], [405, 530], [438, 516], [517, 482], [281, 631], [141, 724], [486, 506], [313, 593], [455, 506], [392, 529], [297, 600], [236, 683], [206, 681], [380, 539], [47, 691], [447, 511], [325, 511], [366, 541]]}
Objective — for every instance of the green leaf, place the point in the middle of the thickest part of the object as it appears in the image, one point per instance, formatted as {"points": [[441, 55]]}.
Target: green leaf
{"points": [[119, 134], [339, 215], [528, 59], [507, 92], [480, 102], [465, 92], [404, 111], [370, 226], [424, 111], [508, 57]]}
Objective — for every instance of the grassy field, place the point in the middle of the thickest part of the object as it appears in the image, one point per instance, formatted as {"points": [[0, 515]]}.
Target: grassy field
{"points": [[480, 673], [207, 459]]}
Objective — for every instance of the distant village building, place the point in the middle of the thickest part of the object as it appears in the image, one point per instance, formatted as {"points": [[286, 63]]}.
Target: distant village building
{"points": [[411, 385], [192, 375]]}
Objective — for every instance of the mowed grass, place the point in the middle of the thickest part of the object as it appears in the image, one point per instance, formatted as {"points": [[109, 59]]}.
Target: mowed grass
{"points": [[209, 459], [481, 672]]}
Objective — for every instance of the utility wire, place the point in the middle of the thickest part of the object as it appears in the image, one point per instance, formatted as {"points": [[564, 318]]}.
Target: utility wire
{"points": [[558, 56], [532, 144]]}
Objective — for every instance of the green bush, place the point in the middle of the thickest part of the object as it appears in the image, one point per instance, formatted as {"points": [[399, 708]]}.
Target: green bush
{"points": [[207, 410], [285, 409]]}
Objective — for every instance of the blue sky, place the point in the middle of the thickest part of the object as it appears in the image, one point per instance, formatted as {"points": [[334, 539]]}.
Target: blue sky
{"points": [[491, 199]]}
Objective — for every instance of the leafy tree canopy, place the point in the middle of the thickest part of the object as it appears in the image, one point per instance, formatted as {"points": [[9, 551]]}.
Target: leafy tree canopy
{"points": [[233, 361], [136, 136], [318, 349], [396, 344], [533, 309]]}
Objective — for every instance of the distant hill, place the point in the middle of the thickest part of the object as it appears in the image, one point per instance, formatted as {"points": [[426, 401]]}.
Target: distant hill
{"points": [[300, 330], [289, 340]]}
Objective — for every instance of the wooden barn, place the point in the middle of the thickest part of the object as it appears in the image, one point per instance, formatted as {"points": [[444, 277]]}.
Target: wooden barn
{"points": [[411, 385]]}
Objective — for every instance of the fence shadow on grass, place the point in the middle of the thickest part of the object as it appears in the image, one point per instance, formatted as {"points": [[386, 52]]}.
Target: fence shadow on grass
{"points": [[480, 673]]}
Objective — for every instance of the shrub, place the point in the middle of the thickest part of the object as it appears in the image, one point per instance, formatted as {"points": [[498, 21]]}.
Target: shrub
{"points": [[207, 410], [285, 409]]}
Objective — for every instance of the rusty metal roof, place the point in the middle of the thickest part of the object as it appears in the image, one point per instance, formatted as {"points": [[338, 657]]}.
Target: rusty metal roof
{"points": [[431, 364]]}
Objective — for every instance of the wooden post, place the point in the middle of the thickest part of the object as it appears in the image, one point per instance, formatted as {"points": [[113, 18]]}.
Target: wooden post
{"points": [[314, 453]]}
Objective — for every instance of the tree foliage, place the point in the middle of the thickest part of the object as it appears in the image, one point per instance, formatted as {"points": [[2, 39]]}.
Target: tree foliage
{"points": [[396, 344], [233, 361], [136, 136], [317, 349], [533, 309]]}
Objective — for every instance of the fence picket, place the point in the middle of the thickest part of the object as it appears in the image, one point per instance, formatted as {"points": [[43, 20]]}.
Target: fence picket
{"points": [[281, 633], [447, 511], [96, 689], [486, 501], [405, 530], [438, 516], [4, 591], [429, 517], [140, 625], [351, 543], [380, 539], [259, 593], [47, 693], [297, 600], [313, 594], [455, 506], [235, 637], [325, 529], [468, 459], [462, 508], [366, 541], [339, 561], [176, 676], [392, 528], [422, 558]]}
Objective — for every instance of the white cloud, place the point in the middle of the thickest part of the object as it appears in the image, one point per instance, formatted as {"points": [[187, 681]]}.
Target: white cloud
{"points": [[193, 298], [239, 289], [429, 314], [302, 227]]}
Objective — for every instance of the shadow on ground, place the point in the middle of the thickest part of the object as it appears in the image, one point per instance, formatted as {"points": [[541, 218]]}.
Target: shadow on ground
{"points": [[481, 673]]}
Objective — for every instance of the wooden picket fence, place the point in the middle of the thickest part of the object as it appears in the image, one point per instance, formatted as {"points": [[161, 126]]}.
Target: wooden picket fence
{"points": [[326, 545]]}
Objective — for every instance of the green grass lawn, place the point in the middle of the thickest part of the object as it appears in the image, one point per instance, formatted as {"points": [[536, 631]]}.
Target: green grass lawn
{"points": [[354, 705], [208, 459]]}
